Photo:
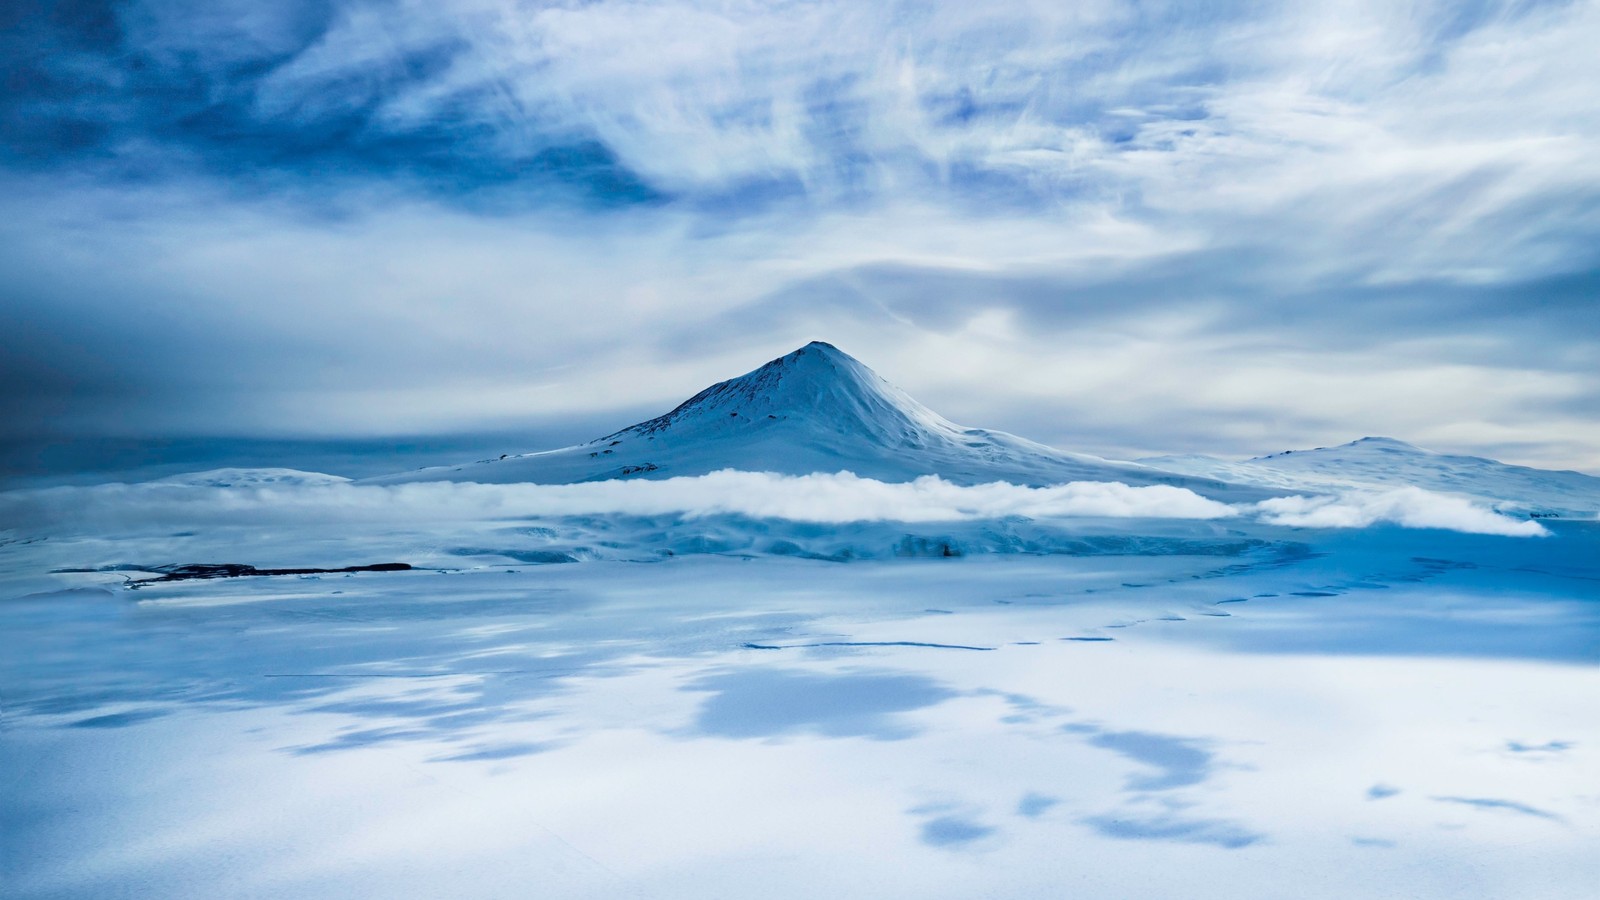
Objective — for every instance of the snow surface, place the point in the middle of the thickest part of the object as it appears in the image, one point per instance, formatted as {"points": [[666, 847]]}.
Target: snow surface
{"points": [[1174, 708]]}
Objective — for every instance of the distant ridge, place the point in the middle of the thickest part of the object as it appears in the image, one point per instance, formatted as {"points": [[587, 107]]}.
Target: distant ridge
{"points": [[1377, 444], [816, 409], [1385, 462]]}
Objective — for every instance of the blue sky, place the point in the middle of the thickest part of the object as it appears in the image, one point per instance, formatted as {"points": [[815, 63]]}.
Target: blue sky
{"points": [[1123, 228]]}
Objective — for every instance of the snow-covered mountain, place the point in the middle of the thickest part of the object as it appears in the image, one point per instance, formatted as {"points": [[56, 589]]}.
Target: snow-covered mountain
{"points": [[817, 409], [1381, 462], [253, 478]]}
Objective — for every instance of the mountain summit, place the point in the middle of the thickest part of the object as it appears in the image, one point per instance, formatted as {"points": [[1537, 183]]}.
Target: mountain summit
{"points": [[819, 385], [817, 409]]}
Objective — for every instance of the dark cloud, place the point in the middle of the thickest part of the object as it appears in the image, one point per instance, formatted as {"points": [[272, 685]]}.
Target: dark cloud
{"points": [[1551, 321], [138, 91]]}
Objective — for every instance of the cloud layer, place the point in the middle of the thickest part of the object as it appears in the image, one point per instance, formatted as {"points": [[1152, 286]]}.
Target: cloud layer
{"points": [[278, 497], [1408, 507], [1119, 227]]}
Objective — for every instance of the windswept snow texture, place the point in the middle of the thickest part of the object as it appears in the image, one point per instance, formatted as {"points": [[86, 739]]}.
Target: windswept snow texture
{"points": [[817, 409], [1379, 462]]}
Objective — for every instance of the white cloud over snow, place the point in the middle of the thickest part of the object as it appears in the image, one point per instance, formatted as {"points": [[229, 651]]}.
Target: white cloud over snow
{"points": [[818, 498], [821, 498], [1409, 507]]}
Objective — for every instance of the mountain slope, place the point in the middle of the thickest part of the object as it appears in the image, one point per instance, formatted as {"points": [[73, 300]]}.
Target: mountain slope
{"points": [[817, 409], [1380, 462]]}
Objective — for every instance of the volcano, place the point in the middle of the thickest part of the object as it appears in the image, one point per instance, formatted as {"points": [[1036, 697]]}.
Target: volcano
{"points": [[817, 409]]}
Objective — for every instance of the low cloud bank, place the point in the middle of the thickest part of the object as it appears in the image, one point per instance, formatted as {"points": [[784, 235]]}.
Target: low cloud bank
{"points": [[287, 498], [1409, 507], [819, 498]]}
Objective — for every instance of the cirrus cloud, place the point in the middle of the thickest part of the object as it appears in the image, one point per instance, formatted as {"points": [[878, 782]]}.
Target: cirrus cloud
{"points": [[388, 216]]}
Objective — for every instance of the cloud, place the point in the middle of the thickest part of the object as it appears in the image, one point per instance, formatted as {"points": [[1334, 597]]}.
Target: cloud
{"points": [[278, 496], [1237, 111], [1408, 507], [366, 216]]}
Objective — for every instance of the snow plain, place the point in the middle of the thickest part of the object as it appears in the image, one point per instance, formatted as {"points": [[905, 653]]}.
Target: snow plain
{"points": [[1075, 705]]}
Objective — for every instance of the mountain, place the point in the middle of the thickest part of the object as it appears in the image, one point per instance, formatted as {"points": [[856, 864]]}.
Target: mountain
{"points": [[253, 478], [1381, 462], [817, 409]]}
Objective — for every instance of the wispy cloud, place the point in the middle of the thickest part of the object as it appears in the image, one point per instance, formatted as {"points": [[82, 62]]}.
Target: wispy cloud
{"points": [[356, 216], [703, 100]]}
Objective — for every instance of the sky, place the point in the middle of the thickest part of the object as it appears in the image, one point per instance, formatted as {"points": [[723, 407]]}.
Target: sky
{"points": [[1125, 228]]}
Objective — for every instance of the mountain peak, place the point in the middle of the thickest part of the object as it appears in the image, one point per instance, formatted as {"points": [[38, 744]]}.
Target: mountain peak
{"points": [[822, 358], [820, 386], [1367, 444], [814, 409], [1380, 443]]}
